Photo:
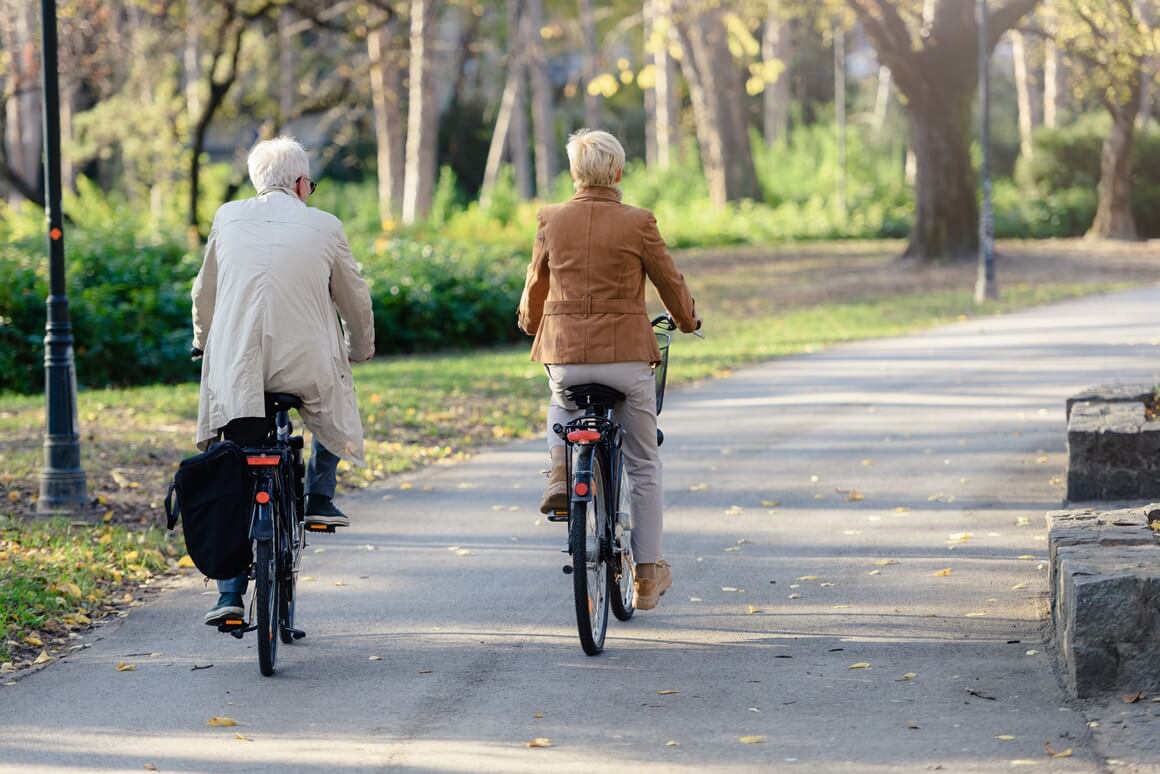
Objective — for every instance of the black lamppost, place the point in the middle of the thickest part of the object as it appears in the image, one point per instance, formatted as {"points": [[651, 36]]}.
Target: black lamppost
{"points": [[986, 286], [62, 481]]}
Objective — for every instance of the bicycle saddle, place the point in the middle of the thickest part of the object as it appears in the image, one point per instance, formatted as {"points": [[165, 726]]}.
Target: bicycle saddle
{"points": [[281, 401], [597, 396]]}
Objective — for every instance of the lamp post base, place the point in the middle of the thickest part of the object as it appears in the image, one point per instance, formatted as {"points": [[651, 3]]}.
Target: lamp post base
{"points": [[62, 491]]}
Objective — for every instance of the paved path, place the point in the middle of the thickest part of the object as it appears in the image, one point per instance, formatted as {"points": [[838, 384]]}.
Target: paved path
{"points": [[910, 477]]}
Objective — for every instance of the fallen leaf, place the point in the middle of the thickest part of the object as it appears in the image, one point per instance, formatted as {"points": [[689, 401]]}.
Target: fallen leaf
{"points": [[1019, 586], [794, 596], [218, 720], [770, 503], [1132, 698], [406, 485], [943, 572], [699, 487], [375, 658], [43, 658], [672, 743], [465, 552], [539, 741], [808, 577], [851, 532], [732, 549], [186, 563], [908, 677], [1032, 653], [913, 725], [696, 599], [667, 692], [902, 509], [867, 462], [242, 737], [124, 666], [874, 572], [860, 665], [1005, 737], [34, 641], [756, 739], [1025, 556], [735, 510], [825, 585], [1024, 762], [1023, 521], [150, 767], [978, 614], [751, 610], [1062, 753], [730, 588], [855, 496]]}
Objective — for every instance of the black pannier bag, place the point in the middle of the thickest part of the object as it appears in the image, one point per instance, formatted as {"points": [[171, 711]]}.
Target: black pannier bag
{"points": [[213, 500]]}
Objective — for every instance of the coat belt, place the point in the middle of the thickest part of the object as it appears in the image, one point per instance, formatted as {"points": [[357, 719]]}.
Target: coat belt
{"points": [[588, 305]]}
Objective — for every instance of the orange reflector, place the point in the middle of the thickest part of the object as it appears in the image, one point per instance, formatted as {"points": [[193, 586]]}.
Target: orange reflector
{"points": [[263, 460], [584, 436], [581, 488], [262, 497], [232, 622]]}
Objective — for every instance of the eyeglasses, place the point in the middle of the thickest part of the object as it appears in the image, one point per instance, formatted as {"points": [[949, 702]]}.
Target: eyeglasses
{"points": [[313, 183]]}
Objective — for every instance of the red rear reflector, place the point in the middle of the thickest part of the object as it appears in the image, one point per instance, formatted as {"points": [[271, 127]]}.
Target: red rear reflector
{"points": [[262, 497], [264, 460], [581, 488], [584, 436]]}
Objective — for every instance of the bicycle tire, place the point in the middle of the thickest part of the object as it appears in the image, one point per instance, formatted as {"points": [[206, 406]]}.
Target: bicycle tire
{"points": [[589, 572], [289, 578], [266, 604], [621, 570]]}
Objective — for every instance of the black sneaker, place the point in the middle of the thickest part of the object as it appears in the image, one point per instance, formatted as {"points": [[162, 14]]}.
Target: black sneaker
{"points": [[229, 605], [321, 510]]}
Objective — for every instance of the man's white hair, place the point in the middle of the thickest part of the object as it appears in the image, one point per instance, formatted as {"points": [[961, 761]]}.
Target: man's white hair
{"points": [[595, 157], [277, 163]]}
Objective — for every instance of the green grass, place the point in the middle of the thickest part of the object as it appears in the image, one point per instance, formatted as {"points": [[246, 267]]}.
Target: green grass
{"points": [[56, 575]]}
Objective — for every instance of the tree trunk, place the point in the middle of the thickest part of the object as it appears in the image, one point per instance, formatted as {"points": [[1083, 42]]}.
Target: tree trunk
{"points": [[386, 97], [22, 125], [499, 136], [881, 99], [419, 183], [840, 111], [1050, 83], [191, 60], [518, 147], [719, 104], [593, 113], [543, 111], [776, 47], [1114, 212], [1023, 94], [946, 216], [648, 14], [286, 56], [665, 103]]}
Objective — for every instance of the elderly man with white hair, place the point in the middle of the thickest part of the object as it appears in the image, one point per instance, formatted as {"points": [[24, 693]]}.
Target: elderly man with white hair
{"points": [[276, 277], [584, 302]]}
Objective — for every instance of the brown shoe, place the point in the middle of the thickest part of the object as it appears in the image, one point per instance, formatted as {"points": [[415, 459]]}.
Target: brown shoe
{"points": [[556, 495], [652, 581]]}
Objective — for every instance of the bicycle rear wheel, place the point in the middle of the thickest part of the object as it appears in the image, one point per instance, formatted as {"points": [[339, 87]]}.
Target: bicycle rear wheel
{"points": [[266, 601], [291, 554], [586, 539], [621, 572]]}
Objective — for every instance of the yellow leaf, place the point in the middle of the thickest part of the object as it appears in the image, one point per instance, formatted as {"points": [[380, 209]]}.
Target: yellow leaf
{"points": [[867, 462], [130, 556], [794, 596], [14, 496], [770, 503], [1025, 556], [1019, 586], [406, 485], [150, 767], [902, 509], [43, 658], [885, 562], [465, 552], [855, 496], [908, 677], [1062, 753], [860, 665], [105, 539], [808, 577], [943, 572], [975, 615], [242, 737], [667, 692], [1024, 762], [699, 487], [672, 743], [186, 562], [33, 640], [375, 658], [756, 739], [108, 517], [124, 666], [874, 572], [751, 610], [539, 741], [1005, 737], [219, 720]]}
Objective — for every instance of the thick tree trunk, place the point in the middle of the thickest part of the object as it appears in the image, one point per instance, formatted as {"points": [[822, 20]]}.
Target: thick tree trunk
{"points": [[543, 111], [386, 97], [1114, 212], [946, 214], [665, 101], [518, 146], [1022, 94], [718, 102], [593, 112], [419, 183], [776, 46]]}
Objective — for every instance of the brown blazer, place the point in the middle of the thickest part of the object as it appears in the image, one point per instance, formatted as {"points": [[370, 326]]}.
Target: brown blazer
{"points": [[583, 298]]}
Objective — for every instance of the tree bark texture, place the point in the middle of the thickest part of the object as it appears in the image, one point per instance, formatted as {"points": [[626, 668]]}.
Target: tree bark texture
{"points": [[590, 63], [776, 46], [543, 109], [386, 71], [1114, 212], [937, 75], [718, 97], [23, 132], [422, 104], [519, 150]]}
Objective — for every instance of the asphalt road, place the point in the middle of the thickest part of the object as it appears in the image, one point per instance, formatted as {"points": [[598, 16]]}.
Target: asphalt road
{"points": [[878, 504]]}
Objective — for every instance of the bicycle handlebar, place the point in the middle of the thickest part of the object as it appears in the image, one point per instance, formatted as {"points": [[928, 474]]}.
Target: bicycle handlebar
{"points": [[195, 354], [666, 323]]}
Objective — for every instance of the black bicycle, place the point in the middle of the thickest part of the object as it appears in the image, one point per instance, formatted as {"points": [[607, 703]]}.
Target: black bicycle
{"points": [[277, 529], [599, 511]]}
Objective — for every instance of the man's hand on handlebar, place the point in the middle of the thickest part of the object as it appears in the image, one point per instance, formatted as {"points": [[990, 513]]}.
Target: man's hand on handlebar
{"points": [[195, 354]]}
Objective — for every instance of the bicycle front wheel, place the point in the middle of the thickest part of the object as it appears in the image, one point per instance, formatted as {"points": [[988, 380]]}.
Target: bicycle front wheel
{"points": [[621, 568], [586, 539], [266, 604]]}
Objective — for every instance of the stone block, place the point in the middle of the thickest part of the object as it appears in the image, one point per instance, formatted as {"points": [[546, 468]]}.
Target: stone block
{"points": [[1113, 450]]}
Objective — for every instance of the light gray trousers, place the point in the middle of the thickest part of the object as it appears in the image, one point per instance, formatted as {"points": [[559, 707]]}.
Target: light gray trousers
{"points": [[637, 416]]}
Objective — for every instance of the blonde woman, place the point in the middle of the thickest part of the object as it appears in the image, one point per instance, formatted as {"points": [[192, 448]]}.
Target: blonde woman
{"points": [[584, 303]]}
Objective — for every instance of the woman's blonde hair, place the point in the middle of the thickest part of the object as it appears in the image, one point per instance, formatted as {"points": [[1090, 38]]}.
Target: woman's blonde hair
{"points": [[595, 157]]}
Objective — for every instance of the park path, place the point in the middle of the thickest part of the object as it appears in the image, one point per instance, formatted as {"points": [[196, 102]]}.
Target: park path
{"points": [[877, 504]]}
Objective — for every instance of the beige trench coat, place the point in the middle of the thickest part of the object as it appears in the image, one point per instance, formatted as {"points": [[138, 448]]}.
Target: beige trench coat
{"points": [[264, 307]]}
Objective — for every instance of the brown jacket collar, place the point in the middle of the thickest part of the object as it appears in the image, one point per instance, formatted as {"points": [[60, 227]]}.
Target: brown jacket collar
{"points": [[600, 192]]}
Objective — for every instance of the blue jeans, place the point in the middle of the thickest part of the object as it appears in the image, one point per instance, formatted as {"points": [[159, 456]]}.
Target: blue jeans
{"points": [[321, 471]]}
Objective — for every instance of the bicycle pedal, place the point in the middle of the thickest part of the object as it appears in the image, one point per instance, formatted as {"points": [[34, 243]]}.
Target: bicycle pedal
{"points": [[315, 527], [558, 516], [295, 633]]}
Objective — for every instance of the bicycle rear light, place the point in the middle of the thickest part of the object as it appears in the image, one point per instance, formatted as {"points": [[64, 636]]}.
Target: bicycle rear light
{"points": [[584, 436], [262, 497], [265, 459], [581, 489]]}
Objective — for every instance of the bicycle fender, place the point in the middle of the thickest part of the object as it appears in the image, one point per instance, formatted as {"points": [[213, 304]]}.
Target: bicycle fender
{"points": [[582, 477], [262, 527]]}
